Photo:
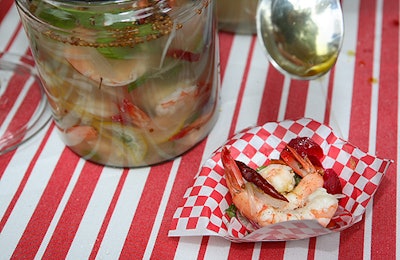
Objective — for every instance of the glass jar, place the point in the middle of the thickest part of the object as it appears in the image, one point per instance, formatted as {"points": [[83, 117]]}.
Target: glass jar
{"points": [[237, 16], [130, 82]]}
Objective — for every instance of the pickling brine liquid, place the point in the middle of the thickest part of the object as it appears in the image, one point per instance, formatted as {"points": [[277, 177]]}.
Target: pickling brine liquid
{"points": [[130, 83]]}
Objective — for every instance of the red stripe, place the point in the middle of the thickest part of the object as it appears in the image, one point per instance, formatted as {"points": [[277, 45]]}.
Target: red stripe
{"points": [[25, 179], [20, 122], [241, 250], [273, 250], [203, 248], [47, 206], [13, 37], [296, 104], [71, 217], [328, 106], [150, 200], [4, 161], [225, 45], [165, 246], [352, 239], [108, 215], [233, 129], [273, 88], [311, 248], [386, 141], [5, 8]]}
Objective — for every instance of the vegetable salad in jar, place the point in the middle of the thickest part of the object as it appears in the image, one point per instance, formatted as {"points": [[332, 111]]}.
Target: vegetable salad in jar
{"points": [[130, 83]]}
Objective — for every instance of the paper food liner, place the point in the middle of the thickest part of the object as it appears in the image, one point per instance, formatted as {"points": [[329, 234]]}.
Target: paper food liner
{"points": [[204, 204]]}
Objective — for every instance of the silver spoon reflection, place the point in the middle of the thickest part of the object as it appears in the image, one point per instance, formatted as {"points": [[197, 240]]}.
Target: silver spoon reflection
{"points": [[302, 37]]}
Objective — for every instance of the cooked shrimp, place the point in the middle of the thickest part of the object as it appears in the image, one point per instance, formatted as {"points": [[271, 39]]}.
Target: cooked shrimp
{"points": [[168, 113], [308, 200], [280, 176], [111, 72]]}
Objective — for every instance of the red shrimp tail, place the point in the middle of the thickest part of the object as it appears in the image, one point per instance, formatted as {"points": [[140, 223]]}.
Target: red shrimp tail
{"points": [[233, 175]]}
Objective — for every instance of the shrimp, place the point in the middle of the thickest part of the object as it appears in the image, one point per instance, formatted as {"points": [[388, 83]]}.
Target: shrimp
{"points": [[111, 72], [171, 113], [280, 176], [307, 200]]}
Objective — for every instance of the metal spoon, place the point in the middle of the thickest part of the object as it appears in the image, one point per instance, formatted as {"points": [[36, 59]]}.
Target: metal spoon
{"points": [[302, 37]]}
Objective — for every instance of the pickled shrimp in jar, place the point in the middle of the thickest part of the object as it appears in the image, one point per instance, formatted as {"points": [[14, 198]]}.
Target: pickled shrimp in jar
{"points": [[130, 83]]}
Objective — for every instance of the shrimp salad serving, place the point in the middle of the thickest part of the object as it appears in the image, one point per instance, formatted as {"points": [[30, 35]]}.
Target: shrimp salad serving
{"points": [[130, 83], [293, 187]]}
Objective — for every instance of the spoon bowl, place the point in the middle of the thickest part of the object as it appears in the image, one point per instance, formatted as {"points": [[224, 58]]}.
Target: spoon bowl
{"points": [[302, 38]]}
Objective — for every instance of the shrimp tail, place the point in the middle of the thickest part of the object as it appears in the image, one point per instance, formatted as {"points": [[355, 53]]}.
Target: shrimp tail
{"points": [[302, 166], [233, 175], [236, 172]]}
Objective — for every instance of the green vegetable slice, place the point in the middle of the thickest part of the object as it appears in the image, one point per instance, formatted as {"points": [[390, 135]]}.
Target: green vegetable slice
{"points": [[117, 30], [231, 211]]}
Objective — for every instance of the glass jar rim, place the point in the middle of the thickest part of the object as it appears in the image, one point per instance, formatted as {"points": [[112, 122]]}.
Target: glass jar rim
{"points": [[180, 12], [106, 23]]}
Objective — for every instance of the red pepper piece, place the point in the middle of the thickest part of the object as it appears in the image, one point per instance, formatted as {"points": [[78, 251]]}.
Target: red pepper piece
{"points": [[331, 182], [253, 176], [307, 147], [184, 55]]}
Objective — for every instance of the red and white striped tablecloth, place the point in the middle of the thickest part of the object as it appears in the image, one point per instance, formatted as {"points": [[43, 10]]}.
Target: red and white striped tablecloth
{"points": [[54, 205]]}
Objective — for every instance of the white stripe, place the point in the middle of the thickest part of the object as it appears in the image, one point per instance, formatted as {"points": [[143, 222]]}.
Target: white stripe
{"points": [[30, 196], [60, 209], [253, 92], [297, 249], [20, 44], [217, 248], [284, 98], [89, 227], [234, 71], [376, 75], [344, 71], [316, 98], [327, 247], [15, 171], [121, 219], [256, 251], [252, 95]]}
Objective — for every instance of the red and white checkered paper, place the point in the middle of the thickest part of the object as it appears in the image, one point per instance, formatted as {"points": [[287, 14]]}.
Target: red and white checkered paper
{"points": [[203, 209]]}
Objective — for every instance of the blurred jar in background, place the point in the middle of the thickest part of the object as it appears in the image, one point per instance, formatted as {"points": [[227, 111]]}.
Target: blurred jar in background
{"points": [[130, 82], [237, 16]]}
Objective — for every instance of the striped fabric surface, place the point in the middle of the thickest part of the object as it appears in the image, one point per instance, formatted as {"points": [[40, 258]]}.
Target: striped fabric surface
{"points": [[54, 205]]}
